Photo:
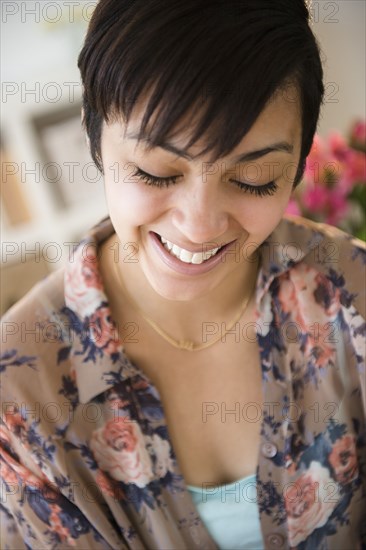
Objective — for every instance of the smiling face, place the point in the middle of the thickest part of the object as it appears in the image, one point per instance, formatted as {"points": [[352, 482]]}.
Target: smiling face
{"points": [[199, 205]]}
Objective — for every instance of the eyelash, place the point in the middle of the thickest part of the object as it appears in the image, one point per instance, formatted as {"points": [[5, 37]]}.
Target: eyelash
{"points": [[259, 190]]}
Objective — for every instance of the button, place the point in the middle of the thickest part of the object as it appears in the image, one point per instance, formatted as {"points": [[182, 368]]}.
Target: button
{"points": [[269, 450], [275, 540]]}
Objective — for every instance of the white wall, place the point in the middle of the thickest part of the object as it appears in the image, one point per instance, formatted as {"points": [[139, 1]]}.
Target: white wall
{"points": [[40, 42], [340, 29]]}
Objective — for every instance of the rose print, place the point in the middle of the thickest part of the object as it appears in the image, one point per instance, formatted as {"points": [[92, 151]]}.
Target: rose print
{"points": [[119, 449], [55, 521], [103, 332], [109, 486], [4, 436], [307, 295], [15, 423], [164, 463], [8, 475], [309, 502], [13, 472], [81, 277], [343, 459], [91, 275]]}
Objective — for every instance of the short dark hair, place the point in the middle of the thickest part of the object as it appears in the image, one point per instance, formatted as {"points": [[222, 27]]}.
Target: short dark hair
{"points": [[225, 59]]}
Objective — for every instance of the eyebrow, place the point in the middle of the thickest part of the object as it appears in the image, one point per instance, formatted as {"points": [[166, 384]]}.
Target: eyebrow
{"points": [[282, 146]]}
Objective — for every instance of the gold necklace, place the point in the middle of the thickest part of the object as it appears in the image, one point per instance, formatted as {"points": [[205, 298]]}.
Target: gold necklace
{"points": [[187, 345]]}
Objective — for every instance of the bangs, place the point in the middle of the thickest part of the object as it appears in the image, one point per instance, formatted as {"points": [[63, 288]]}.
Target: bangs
{"points": [[217, 65]]}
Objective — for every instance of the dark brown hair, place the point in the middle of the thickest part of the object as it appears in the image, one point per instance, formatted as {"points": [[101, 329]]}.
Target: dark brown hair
{"points": [[222, 59]]}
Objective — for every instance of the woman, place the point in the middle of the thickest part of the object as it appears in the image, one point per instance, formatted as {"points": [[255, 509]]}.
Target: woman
{"points": [[194, 375]]}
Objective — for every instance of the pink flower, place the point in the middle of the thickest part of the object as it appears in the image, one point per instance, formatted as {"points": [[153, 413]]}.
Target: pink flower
{"points": [[119, 449], [358, 133], [343, 459], [318, 148], [332, 171], [338, 147], [336, 208], [327, 204], [356, 169], [321, 164], [293, 208], [307, 502], [315, 198]]}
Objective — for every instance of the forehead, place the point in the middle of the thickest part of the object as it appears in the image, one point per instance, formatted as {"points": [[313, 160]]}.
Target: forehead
{"points": [[280, 120]]}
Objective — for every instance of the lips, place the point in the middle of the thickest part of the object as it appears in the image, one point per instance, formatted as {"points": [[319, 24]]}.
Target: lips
{"points": [[188, 268], [188, 249], [188, 256]]}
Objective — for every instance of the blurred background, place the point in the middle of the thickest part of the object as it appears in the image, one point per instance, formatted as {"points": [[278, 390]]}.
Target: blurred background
{"points": [[51, 192]]}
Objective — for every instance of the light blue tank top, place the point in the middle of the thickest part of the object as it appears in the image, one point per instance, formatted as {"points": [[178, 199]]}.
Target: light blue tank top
{"points": [[230, 513]]}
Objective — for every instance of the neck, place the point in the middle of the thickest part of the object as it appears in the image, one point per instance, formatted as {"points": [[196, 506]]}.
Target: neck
{"points": [[186, 319]]}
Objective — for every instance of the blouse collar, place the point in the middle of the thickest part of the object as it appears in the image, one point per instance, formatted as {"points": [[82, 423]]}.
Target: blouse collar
{"points": [[97, 355]]}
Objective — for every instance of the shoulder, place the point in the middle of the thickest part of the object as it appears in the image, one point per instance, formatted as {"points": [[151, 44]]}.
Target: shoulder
{"points": [[43, 296], [333, 254], [51, 326], [34, 332], [32, 311]]}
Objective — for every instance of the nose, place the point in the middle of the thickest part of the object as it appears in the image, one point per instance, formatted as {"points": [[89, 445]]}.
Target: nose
{"points": [[200, 212]]}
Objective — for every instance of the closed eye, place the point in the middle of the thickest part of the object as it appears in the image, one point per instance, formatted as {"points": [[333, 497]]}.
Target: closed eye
{"points": [[259, 190]]}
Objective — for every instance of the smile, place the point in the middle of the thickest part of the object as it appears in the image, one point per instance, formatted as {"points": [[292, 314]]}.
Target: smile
{"points": [[185, 255], [186, 262]]}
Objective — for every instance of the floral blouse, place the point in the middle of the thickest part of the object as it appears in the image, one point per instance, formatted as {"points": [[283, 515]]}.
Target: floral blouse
{"points": [[86, 457]]}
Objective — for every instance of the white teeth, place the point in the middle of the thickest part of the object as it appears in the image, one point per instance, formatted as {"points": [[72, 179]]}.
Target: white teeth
{"points": [[185, 255], [176, 250]]}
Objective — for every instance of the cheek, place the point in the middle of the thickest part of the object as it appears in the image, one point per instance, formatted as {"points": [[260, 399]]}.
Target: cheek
{"points": [[129, 199], [260, 215]]}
